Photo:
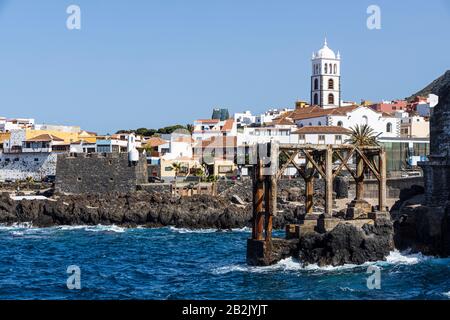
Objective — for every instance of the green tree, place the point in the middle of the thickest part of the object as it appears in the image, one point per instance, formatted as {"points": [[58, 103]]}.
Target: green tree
{"points": [[363, 135]]}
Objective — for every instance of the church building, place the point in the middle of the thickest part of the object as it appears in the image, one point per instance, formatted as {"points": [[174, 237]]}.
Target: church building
{"points": [[326, 78]]}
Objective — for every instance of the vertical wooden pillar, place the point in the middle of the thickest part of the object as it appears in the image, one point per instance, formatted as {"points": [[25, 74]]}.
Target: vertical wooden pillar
{"points": [[329, 182], [359, 178], [309, 191], [382, 182], [309, 187], [258, 199], [271, 189]]}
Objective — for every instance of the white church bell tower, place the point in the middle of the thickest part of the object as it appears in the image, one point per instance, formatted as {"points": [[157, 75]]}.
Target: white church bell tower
{"points": [[326, 78]]}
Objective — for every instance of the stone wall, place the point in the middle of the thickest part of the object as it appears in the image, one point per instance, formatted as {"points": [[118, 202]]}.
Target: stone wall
{"points": [[20, 166], [99, 173], [393, 190]]}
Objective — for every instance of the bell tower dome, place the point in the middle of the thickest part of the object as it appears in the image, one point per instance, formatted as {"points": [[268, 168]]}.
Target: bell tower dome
{"points": [[326, 78]]}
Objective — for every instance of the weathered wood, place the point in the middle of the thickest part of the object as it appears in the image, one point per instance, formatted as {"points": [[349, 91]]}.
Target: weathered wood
{"points": [[329, 183], [309, 194], [346, 166], [368, 164], [314, 163], [359, 178], [279, 172], [344, 162], [259, 209], [382, 181]]}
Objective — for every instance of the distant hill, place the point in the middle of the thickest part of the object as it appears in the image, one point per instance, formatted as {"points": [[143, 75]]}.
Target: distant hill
{"points": [[434, 87]]}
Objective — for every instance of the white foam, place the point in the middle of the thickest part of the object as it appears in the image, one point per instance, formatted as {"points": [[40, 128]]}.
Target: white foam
{"points": [[186, 230], [290, 264], [447, 294], [397, 257], [16, 226]]}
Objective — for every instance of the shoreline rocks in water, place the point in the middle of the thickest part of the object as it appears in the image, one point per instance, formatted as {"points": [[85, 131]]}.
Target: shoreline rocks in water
{"points": [[150, 209]]}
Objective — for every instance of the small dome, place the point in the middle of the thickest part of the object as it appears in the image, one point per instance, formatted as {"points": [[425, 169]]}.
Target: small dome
{"points": [[325, 52]]}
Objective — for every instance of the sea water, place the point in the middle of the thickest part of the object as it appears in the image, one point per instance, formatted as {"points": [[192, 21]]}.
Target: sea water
{"points": [[171, 263]]}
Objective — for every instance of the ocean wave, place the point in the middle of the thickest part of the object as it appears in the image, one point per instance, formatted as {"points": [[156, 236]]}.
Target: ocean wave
{"points": [[208, 230], [21, 229], [447, 294], [290, 264], [16, 226]]}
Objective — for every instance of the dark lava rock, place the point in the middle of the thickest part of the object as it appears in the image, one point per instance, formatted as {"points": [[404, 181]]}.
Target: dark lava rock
{"points": [[347, 244]]}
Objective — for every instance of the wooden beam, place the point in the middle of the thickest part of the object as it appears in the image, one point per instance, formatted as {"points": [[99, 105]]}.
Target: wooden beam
{"points": [[382, 181], [369, 164], [291, 157], [346, 166], [314, 163], [329, 183], [343, 162]]}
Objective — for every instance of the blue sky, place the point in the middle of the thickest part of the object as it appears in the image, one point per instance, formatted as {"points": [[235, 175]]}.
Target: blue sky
{"points": [[155, 63]]}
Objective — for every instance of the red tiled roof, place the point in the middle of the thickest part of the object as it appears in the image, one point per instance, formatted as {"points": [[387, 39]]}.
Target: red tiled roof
{"points": [[323, 129], [315, 111], [208, 120], [155, 141], [228, 125], [44, 138], [217, 142]]}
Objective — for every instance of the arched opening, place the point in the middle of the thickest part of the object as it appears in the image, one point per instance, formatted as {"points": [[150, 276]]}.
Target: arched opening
{"points": [[330, 98], [340, 124], [389, 127], [331, 68], [335, 68], [319, 123], [365, 120], [330, 84], [316, 84], [316, 99], [326, 68]]}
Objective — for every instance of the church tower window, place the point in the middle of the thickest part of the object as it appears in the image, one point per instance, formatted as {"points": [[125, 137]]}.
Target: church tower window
{"points": [[330, 84], [330, 98]]}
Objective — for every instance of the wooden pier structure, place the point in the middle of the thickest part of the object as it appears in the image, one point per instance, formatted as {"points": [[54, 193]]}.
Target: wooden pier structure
{"points": [[326, 161]]}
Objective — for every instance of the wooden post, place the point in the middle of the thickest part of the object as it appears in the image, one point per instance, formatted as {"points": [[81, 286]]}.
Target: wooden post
{"points": [[329, 182], [271, 189], [382, 182], [258, 199], [309, 187], [309, 190], [359, 178]]}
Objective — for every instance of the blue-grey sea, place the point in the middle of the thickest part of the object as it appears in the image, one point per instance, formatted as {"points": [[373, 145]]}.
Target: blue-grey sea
{"points": [[170, 263]]}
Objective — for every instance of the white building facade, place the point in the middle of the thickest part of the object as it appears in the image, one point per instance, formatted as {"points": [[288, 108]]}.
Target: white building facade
{"points": [[326, 78]]}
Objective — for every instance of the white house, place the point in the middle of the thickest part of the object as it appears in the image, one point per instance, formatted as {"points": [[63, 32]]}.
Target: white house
{"points": [[322, 135], [209, 128], [348, 117]]}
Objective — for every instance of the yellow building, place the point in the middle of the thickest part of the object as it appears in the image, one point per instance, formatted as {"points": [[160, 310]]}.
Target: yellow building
{"points": [[67, 136]]}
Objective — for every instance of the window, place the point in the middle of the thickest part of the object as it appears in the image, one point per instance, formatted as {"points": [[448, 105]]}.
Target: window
{"points": [[316, 99], [330, 98], [301, 138], [365, 120], [330, 84], [225, 169], [36, 159], [319, 123], [389, 127], [310, 124], [316, 84], [340, 124], [335, 68], [338, 139], [321, 138], [326, 68]]}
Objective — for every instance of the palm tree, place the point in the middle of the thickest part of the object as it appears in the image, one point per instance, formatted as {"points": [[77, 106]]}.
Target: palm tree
{"points": [[363, 135], [177, 167], [190, 128]]}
